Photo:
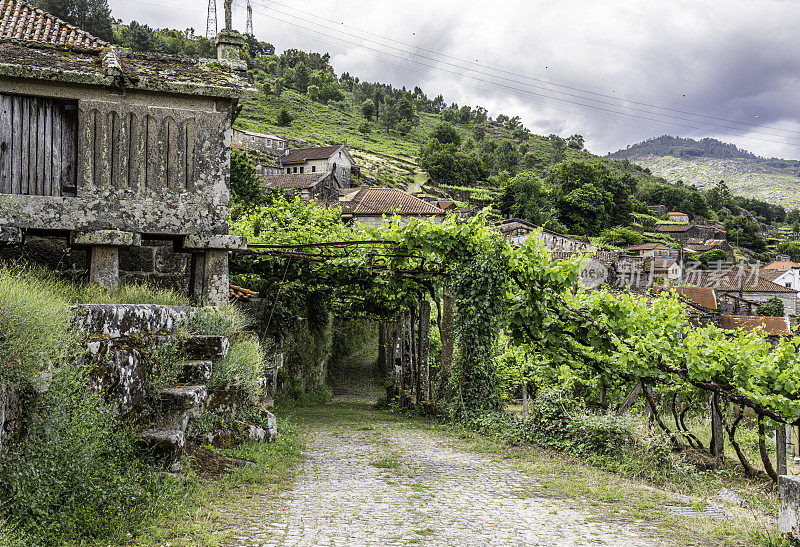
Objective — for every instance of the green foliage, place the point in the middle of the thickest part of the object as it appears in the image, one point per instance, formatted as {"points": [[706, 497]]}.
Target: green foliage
{"points": [[445, 133], [447, 165], [246, 191], [93, 16], [744, 232], [241, 367], [524, 196], [284, 118], [771, 308], [790, 248], [589, 197], [620, 237]]}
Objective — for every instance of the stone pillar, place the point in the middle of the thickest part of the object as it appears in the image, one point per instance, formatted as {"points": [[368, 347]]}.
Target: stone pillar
{"points": [[780, 449], [424, 349], [212, 269], [105, 244], [408, 340], [446, 330], [789, 510]]}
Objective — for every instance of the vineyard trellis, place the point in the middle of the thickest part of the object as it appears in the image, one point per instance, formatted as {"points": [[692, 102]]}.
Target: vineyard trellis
{"points": [[624, 343]]}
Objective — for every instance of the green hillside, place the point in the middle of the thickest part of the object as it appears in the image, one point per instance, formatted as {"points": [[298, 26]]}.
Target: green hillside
{"points": [[705, 162]]}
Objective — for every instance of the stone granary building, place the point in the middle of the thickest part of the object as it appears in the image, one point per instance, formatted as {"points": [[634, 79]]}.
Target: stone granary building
{"points": [[115, 152]]}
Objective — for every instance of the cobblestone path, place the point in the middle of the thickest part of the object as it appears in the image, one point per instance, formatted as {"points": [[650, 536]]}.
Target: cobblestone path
{"points": [[383, 482]]}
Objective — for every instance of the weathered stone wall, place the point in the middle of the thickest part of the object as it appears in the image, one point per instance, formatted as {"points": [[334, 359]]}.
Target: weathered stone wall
{"points": [[10, 411], [155, 261]]}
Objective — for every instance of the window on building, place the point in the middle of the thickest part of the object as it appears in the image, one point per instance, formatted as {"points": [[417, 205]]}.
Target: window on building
{"points": [[313, 168], [269, 143], [288, 170], [302, 169], [252, 139], [38, 146], [295, 169], [340, 154], [280, 144]]}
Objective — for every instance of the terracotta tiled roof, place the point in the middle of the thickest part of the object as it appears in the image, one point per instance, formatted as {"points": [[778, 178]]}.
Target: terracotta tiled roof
{"points": [[384, 201], [664, 263], [703, 296], [701, 248], [22, 21], [444, 204], [734, 280], [294, 181], [782, 266], [677, 213], [772, 326], [235, 292], [646, 247], [673, 227], [302, 155], [772, 275]]}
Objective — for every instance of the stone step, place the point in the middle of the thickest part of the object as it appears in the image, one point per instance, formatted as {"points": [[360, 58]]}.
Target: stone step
{"points": [[183, 397], [195, 371], [165, 444], [205, 346]]}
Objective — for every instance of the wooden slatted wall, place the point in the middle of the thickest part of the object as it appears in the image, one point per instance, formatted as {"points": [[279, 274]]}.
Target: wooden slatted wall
{"points": [[38, 146]]}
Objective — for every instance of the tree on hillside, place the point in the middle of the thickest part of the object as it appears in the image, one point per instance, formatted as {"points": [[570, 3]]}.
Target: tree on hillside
{"points": [[524, 196], [479, 132], [575, 141], [246, 191], [301, 77], [558, 148], [445, 133], [368, 109], [139, 37], [93, 16], [507, 158], [744, 233], [448, 165], [284, 118], [790, 248], [390, 115], [719, 196]]}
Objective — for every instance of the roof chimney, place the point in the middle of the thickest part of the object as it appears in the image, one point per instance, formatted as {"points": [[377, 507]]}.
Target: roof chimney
{"points": [[230, 45]]}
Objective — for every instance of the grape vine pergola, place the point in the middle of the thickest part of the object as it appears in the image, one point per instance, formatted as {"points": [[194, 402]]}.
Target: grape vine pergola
{"points": [[623, 345]]}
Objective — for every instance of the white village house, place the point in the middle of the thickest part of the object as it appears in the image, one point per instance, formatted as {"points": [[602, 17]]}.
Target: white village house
{"points": [[322, 159]]}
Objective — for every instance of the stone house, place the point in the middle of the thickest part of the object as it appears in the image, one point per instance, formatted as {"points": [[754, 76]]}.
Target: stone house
{"points": [[774, 328], [786, 273], [746, 285], [322, 187], [372, 206], [107, 150], [675, 216], [263, 143], [684, 232], [667, 268], [653, 250], [322, 159], [519, 230], [700, 246]]}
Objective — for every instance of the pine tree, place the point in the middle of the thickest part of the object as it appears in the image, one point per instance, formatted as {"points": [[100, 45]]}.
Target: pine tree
{"points": [[93, 16]]}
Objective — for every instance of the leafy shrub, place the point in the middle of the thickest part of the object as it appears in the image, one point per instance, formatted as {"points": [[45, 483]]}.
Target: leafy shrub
{"points": [[76, 474], [604, 434]]}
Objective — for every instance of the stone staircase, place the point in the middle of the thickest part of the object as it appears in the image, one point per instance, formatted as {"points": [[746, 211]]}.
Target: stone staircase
{"points": [[177, 404]]}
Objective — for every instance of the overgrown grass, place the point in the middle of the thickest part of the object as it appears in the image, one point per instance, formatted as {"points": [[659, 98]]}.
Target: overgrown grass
{"points": [[212, 509]]}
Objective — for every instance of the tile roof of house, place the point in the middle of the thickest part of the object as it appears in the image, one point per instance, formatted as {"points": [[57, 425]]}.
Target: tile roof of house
{"points": [[445, 204], [673, 227], [302, 155], [646, 247], [261, 135], [781, 265], [771, 326], [664, 263], [35, 44], [22, 21], [294, 181], [677, 213], [772, 275], [703, 296], [235, 292], [735, 280], [695, 248], [384, 201]]}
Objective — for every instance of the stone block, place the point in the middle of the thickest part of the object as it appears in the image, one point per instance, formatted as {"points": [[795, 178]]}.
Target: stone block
{"points": [[789, 511], [137, 259], [113, 238], [168, 261], [104, 266], [226, 242], [9, 234], [9, 414], [118, 320]]}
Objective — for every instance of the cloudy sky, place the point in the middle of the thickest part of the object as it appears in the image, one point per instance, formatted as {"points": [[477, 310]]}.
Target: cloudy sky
{"points": [[616, 71]]}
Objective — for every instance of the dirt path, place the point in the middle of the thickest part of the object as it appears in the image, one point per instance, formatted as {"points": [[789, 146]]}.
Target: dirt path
{"points": [[369, 478]]}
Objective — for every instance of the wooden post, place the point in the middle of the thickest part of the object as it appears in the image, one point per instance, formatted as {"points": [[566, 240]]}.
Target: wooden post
{"points": [[397, 368], [424, 349], [414, 356], [717, 430], [382, 365], [780, 448], [525, 401]]}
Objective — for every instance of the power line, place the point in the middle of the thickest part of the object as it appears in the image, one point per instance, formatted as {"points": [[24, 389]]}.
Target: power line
{"points": [[683, 122], [475, 63]]}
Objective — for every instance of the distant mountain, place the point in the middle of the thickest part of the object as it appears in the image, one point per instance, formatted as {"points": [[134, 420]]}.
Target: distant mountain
{"points": [[706, 161]]}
